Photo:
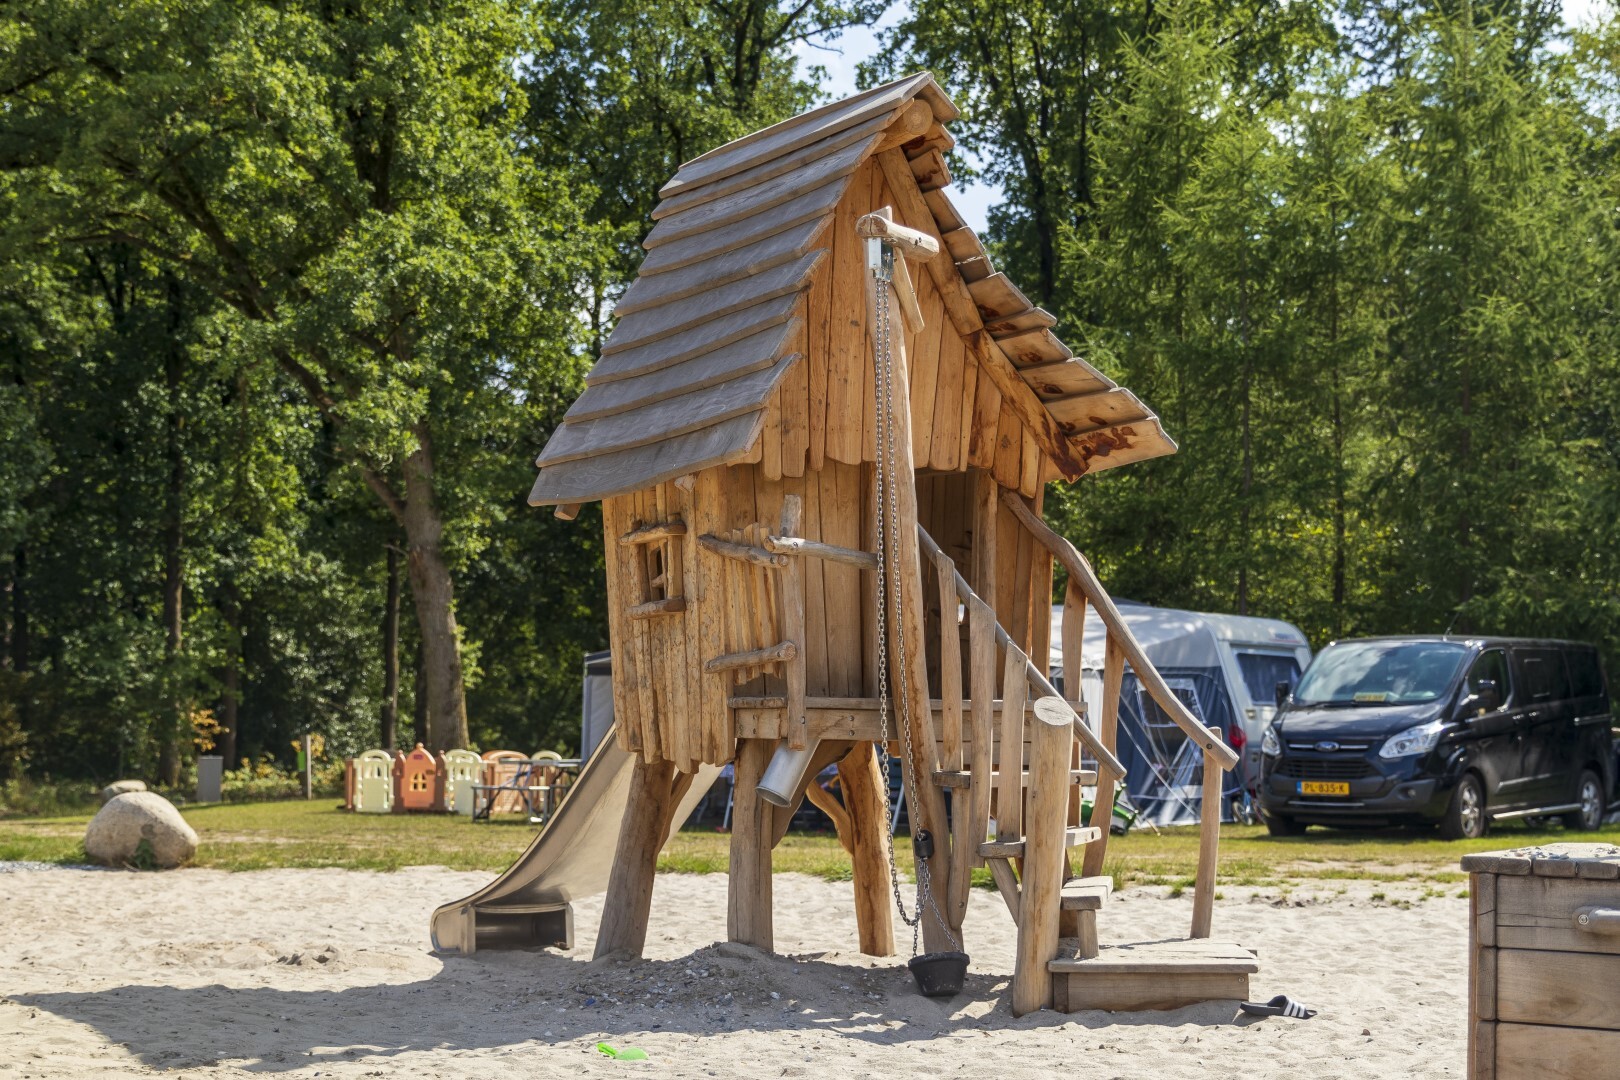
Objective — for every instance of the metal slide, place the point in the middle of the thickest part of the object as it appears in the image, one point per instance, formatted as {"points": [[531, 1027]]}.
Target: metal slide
{"points": [[530, 905]]}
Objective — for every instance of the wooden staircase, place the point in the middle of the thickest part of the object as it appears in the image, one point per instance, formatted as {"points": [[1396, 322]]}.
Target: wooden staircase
{"points": [[1036, 805], [1011, 751]]}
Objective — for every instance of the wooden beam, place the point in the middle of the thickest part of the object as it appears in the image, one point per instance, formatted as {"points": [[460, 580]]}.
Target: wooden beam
{"points": [[747, 553], [655, 791], [911, 122], [1045, 858], [658, 530], [748, 890], [771, 654], [863, 782], [909, 243], [795, 545], [905, 616], [567, 511], [653, 608], [791, 592], [1209, 839]]}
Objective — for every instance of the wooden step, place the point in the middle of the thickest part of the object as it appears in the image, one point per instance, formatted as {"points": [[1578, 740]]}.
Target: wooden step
{"points": [[1087, 893], [961, 778], [1074, 836], [1153, 975]]}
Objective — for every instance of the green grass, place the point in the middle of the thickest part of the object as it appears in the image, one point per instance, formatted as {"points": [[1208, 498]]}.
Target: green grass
{"points": [[256, 836]]}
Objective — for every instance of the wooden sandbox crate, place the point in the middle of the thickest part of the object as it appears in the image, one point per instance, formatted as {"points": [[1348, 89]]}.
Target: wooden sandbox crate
{"points": [[1544, 962]]}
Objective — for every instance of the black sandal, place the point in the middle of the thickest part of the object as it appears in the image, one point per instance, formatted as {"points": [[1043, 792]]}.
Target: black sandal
{"points": [[1281, 1005]]}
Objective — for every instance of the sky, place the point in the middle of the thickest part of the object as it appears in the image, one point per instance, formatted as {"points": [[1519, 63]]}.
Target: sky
{"points": [[973, 201]]}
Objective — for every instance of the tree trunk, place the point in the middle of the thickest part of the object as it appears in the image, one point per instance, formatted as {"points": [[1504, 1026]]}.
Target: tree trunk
{"points": [[230, 610], [173, 538], [434, 593], [390, 706], [419, 711]]}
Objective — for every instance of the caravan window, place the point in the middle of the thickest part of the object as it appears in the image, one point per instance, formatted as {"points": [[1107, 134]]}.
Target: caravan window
{"points": [[1263, 671]]}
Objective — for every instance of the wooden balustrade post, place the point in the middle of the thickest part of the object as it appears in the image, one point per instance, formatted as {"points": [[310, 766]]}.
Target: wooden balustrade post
{"points": [[1209, 839], [1045, 854], [1102, 810]]}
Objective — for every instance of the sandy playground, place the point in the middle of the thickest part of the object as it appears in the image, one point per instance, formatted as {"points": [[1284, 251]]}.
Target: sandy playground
{"points": [[328, 973]]}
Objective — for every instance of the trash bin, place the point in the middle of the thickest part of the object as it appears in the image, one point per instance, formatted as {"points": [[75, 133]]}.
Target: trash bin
{"points": [[210, 776]]}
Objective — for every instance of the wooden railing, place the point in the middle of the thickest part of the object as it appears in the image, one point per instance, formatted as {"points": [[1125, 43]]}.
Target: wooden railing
{"points": [[1122, 648], [984, 748]]}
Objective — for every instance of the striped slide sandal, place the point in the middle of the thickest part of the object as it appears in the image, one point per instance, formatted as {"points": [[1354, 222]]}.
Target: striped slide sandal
{"points": [[1281, 1005]]}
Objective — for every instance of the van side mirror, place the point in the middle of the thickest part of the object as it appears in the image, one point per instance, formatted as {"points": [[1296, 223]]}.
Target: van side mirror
{"points": [[1280, 693], [1486, 697]]}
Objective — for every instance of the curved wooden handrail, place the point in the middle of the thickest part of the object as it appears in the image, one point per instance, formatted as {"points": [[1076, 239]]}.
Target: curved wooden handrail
{"points": [[964, 592], [1080, 571]]}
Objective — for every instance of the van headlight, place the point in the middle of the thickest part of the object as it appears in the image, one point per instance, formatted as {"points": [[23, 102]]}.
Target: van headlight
{"points": [[1270, 745], [1413, 741]]}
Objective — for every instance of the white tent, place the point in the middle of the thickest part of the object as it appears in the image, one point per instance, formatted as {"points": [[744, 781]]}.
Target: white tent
{"points": [[1223, 667]]}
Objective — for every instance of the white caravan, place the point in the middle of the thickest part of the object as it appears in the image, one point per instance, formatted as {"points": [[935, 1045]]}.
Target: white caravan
{"points": [[1224, 667]]}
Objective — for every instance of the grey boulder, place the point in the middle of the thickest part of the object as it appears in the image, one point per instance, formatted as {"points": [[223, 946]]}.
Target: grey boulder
{"points": [[117, 788], [117, 831]]}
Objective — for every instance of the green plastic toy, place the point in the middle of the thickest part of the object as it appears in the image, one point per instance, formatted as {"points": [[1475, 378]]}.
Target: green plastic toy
{"points": [[629, 1053]]}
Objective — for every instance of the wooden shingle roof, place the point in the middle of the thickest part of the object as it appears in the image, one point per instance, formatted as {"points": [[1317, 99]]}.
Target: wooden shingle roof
{"points": [[704, 333]]}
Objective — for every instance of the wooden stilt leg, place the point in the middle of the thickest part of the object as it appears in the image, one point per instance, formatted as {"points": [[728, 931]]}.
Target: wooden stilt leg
{"points": [[641, 837], [861, 779], [748, 909]]}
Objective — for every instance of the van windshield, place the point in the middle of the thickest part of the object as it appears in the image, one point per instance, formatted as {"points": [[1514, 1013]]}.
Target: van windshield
{"points": [[1380, 673]]}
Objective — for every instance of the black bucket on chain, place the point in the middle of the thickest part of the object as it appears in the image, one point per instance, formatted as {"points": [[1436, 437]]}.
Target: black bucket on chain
{"points": [[939, 974]]}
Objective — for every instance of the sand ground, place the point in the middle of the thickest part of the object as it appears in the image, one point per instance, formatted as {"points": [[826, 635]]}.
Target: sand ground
{"points": [[329, 973]]}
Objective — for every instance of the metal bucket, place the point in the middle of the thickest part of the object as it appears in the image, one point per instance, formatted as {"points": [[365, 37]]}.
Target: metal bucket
{"points": [[785, 774]]}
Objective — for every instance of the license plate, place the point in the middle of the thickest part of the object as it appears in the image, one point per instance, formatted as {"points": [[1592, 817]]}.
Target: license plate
{"points": [[1324, 787]]}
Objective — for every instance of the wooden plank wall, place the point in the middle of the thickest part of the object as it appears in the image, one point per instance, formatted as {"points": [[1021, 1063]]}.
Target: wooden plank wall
{"points": [[825, 408], [666, 707]]}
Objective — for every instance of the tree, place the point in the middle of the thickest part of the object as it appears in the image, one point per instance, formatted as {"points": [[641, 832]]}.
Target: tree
{"points": [[347, 182]]}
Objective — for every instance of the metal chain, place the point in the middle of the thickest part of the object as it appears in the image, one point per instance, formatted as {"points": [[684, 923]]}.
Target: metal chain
{"points": [[887, 517]]}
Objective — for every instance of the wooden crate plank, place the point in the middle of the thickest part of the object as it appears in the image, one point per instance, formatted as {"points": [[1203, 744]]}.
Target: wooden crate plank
{"points": [[1537, 1052], [1558, 988]]}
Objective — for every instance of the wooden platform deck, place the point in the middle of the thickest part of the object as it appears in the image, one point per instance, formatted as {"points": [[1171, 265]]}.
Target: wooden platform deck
{"points": [[1153, 975]]}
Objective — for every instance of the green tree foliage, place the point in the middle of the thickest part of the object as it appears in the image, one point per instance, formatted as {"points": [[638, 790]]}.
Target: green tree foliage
{"points": [[1361, 261]]}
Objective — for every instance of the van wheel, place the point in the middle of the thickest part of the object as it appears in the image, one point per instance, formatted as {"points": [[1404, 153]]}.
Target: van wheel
{"points": [[1465, 817], [1278, 825], [1590, 815]]}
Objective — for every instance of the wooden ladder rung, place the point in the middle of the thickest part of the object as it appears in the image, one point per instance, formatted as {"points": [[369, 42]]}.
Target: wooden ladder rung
{"points": [[1074, 836], [1087, 893], [961, 778]]}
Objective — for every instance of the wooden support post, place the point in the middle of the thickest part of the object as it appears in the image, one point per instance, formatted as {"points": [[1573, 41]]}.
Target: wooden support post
{"points": [[1010, 767], [926, 801], [982, 661], [862, 780], [1051, 736], [1209, 839], [748, 897], [1102, 810], [641, 837]]}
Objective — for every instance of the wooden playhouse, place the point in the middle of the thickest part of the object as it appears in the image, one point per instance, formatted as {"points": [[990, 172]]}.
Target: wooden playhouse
{"points": [[817, 365]]}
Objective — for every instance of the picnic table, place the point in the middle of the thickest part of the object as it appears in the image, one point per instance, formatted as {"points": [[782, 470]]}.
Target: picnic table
{"points": [[534, 784]]}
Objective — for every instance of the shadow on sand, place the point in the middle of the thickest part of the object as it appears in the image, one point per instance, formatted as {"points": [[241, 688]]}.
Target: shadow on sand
{"points": [[529, 999]]}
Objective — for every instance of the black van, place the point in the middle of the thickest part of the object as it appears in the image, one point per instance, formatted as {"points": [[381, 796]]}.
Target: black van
{"points": [[1459, 732]]}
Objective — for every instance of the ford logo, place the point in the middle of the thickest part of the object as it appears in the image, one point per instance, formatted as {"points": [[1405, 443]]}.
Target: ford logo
{"points": [[1327, 747]]}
